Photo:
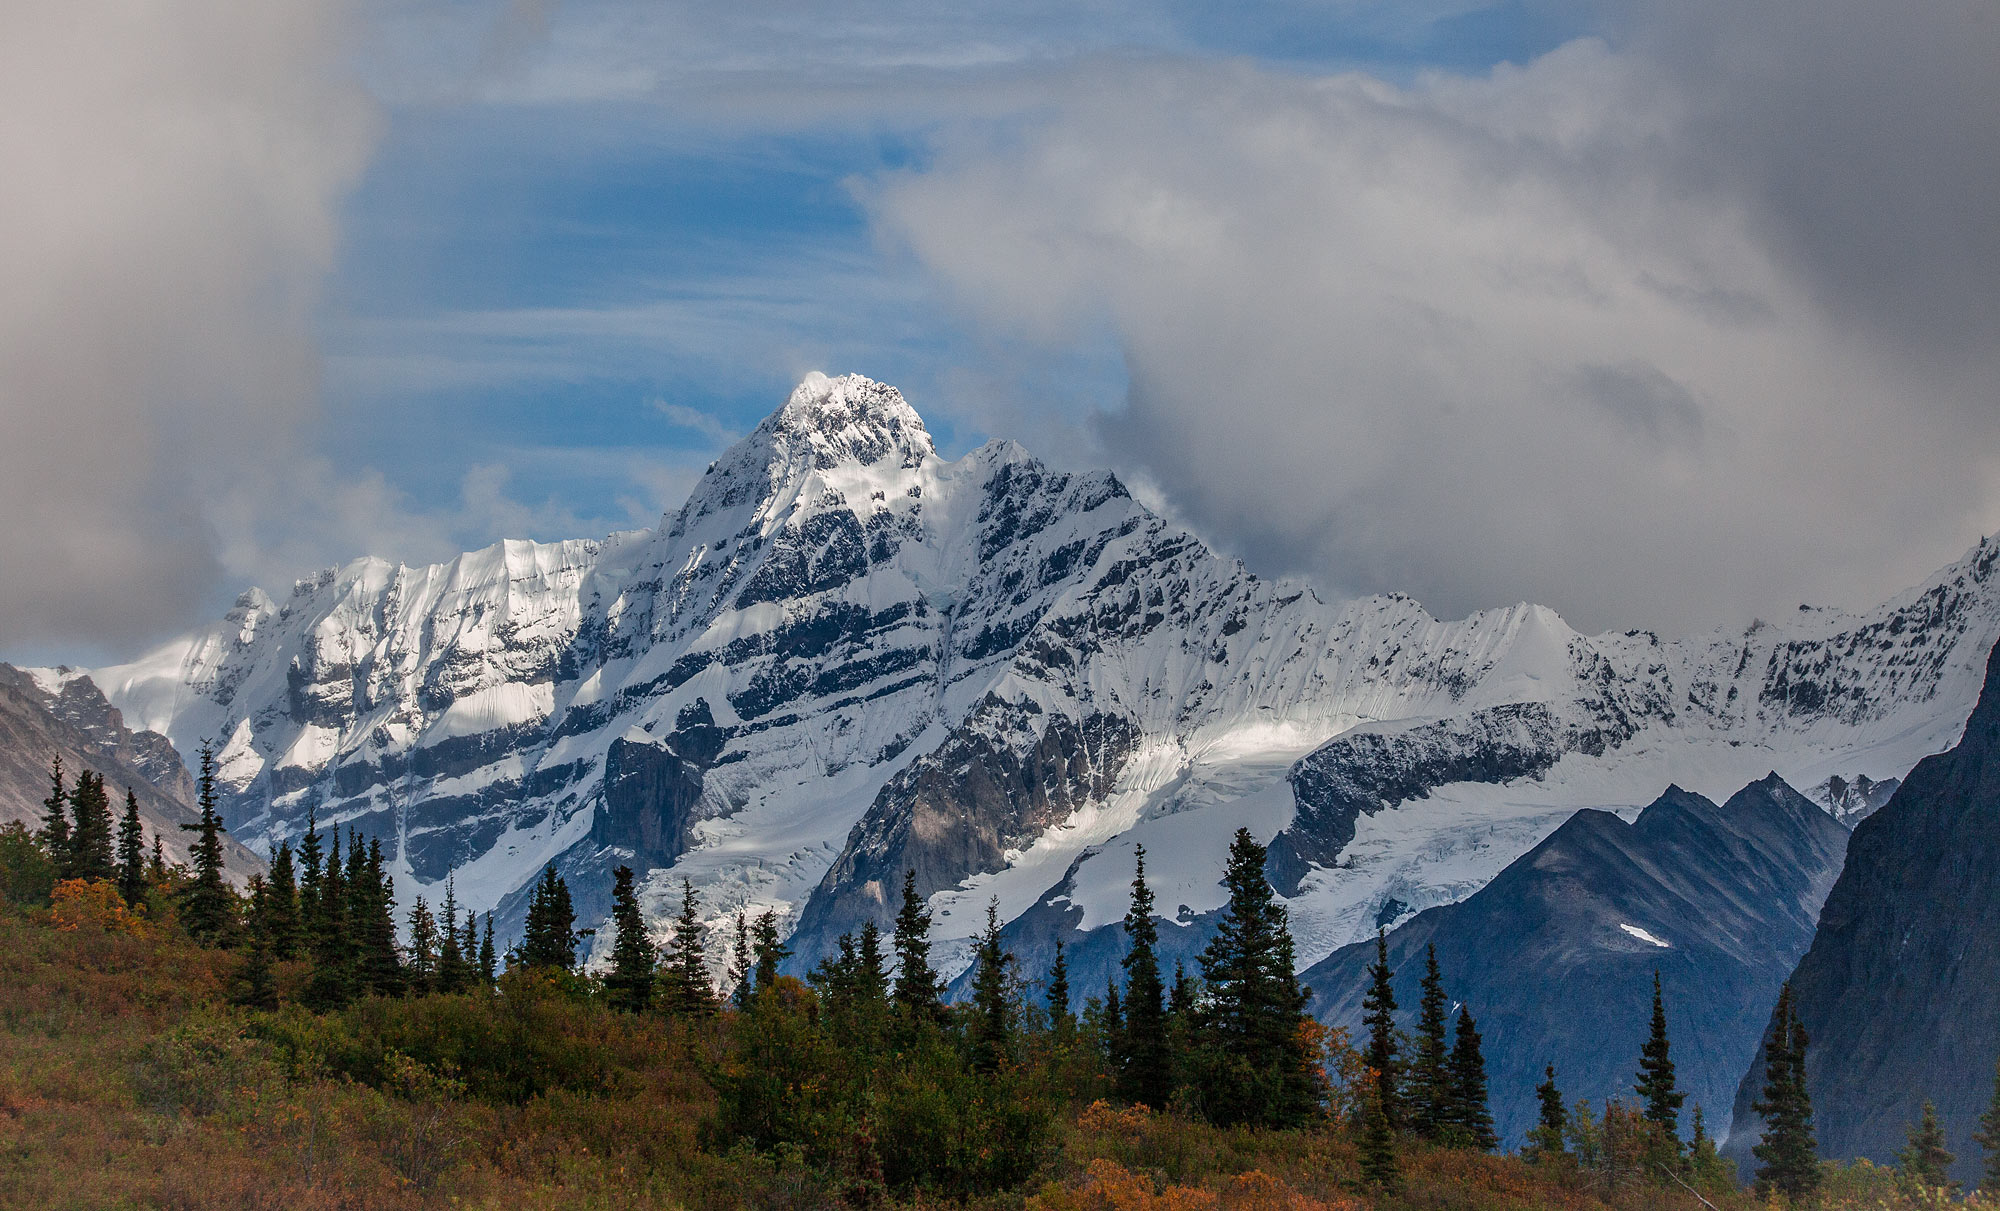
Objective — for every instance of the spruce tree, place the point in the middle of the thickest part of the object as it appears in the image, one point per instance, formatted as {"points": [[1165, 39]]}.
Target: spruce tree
{"points": [[1788, 1149], [1925, 1161], [206, 903], [332, 982], [1656, 1075], [373, 905], [286, 930], [1988, 1139], [1468, 1114], [310, 873], [1252, 1058], [253, 984], [871, 971], [455, 958], [423, 951], [769, 952], [629, 984], [1181, 995], [1061, 1021], [919, 993], [156, 865], [1112, 1022], [992, 998], [55, 818], [686, 972], [739, 960], [1379, 1018], [1145, 1073], [92, 853], [488, 961], [549, 935], [1377, 1146], [131, 853], [1428, 1086], [1545, 1140]]}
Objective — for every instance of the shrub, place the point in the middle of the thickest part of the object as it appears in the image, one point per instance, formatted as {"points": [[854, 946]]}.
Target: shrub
{"points": [[203, 1067], [94, 904]]}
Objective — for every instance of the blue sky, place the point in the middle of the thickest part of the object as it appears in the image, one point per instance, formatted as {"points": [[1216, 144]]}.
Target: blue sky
{"points": [[1665, 314]]}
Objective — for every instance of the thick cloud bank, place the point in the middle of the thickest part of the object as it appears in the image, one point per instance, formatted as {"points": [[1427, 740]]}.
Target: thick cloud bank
{"points": [[172, 175], [1661, 335]]}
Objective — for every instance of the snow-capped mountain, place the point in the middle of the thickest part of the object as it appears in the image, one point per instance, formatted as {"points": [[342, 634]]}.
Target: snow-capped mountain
{"points": [[846, 656]]}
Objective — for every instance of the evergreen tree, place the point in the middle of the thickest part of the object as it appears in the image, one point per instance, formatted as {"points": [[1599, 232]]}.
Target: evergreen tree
{"points": [[488, 962], [1379, 1017], [992, 999], [454, 965], [1255, 1066], [1427, 1089], [252, 984], [549, 937], [919, 993], [1925, 1161], [1145, 1072], [1061, 1022], [685, 975], [1788, 1149], [372, 905], [1988, 1139], [1378, 1147], [769, 951], [1181, 995], [332, 982], [740, 961], [91, 847], [207, 905], [310, 872], [629, 984], [284, 930], [871, 970], [1705, 1165], [1545, 1140], [1467, 1113], [55, 818], [156, 865], [1656, 1074], [131, 853], [424, 947], [1112, 1021]]}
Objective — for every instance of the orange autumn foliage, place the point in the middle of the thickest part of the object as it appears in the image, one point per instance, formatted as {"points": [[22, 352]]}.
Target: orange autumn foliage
{"points": [[92, 904]]}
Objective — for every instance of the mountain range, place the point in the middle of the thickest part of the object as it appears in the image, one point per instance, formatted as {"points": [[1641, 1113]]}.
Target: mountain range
{"points": [[846, 656]]}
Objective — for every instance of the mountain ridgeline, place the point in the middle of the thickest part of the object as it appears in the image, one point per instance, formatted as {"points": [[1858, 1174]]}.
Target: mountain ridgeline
{"points": [[846, 657]]}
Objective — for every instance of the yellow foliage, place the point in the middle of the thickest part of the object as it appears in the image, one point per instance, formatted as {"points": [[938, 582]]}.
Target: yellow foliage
{"points": [[92, 904]]}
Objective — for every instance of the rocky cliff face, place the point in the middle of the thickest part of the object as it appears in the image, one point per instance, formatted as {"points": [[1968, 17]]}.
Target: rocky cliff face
{"points": [[1898, 991], [846, 656], [1556, 955], [60, 713]]}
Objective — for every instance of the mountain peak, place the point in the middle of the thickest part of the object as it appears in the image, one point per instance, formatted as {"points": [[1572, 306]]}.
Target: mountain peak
{"points": [[851, 418]]}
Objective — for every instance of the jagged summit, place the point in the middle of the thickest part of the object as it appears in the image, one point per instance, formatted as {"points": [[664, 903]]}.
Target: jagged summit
{"points": [[851, 419]]}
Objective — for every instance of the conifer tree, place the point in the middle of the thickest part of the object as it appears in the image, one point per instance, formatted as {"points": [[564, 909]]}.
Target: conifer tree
{"points": [[629, 984], [424, 945], [1145, 1073], [252, 984], [372, 903], [1428, 1087], [1545, 1140], [156, 865], [332, 982], [455, 958], [55, 818], [740, 961], [871, 971], [131, 853], [310, 873], [206, 903], [769, 951], [1377, 1146], [992, 999], [1656, 1074], [285, 929], [488, 962], [1252, 1059], [686, 972], [1469, 1116], [1925, 1161], [919, 993], [1988, 1139], [1112, 1021], [1379, 1017], [1061, 1021], [549, 935], [1788, 1148], [1705, 1164], [91, 847], [1181, 995]]}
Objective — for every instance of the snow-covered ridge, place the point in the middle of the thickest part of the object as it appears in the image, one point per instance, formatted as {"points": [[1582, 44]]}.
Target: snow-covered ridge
{"points": [[845, 656]]}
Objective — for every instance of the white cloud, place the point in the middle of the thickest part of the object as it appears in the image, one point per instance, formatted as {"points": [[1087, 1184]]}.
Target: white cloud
{"points": [[1478, 339], [173, 174]]}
